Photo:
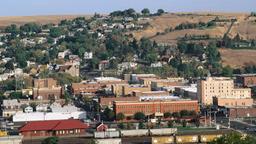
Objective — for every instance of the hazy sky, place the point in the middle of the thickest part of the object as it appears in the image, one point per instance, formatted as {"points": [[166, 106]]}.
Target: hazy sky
{"points": [[52, 7]]}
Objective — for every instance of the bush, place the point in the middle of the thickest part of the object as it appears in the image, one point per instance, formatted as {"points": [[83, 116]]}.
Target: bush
{"points": [[139, 116], [167, 114], [50, 140], [120, 116]]}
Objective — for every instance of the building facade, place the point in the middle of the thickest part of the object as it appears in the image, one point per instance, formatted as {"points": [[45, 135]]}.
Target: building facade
{"points": [[220, 87], [154, 107], [53, 128]]}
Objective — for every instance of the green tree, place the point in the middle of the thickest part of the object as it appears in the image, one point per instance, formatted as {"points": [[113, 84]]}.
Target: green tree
{"points": [[170, 124], [50, 140], [160, 12], [139, 116], [9, 65], [108, 114], [145, 11], [141, 125], [120, 116], [234, 138], [121, 125], [184, 113], [176, 114], [56, 32], [184, 123], [227, 71], [167, 114]]}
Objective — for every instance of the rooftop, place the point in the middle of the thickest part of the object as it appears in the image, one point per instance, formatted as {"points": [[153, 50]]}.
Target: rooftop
{"points": [[53, 125], [106, 79]]}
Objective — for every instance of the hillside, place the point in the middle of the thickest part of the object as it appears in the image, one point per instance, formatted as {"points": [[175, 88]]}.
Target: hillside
{"points": [[245, 27], [19, 20]]}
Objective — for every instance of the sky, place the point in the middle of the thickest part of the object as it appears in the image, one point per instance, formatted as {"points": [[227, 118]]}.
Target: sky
{"points": [[59, 7]]}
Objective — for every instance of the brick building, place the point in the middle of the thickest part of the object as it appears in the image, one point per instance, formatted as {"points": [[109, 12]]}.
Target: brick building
{"points": [[246, 80], [46, 89], [125, 89], [53, 128], [150, 93], [108, 101], [45, 83], [242, 112], [233, 102], [80, 88], [154, 107]]}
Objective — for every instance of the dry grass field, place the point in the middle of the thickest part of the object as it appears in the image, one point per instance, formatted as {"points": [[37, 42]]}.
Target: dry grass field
{"points": [[19, 20], [238, 58]]}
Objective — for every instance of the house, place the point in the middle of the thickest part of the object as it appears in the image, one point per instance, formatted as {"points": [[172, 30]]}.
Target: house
{"points": [[73, 70], [101, 127], [103, 65], [53, 128], [88, 55]]}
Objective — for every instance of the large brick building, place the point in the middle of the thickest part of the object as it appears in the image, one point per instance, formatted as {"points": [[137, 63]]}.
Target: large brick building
{"points": [[82, 88], [46, 89], [220, 87], [154, 107], [53, 128], [125, 89], [246, 80]]}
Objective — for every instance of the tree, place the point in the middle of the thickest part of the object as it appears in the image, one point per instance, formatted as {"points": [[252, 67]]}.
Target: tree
{"points": [[184, 123], [141, 125], [9, 65], [184, 113], [56, 32], [108, 114], [176, 114], [227, 71], [145, 12], [167, 114], [139, 116], [50, 140], [121, 125], [120, 116], [234, 138], [160, 12], [170, 123]]}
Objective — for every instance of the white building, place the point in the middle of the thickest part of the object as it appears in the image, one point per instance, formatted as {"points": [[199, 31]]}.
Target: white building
{"points": [[88, 55]]}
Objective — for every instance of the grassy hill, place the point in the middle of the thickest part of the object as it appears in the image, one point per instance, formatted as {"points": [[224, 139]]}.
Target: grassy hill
{"points": [[19, 20], [245, 27]]}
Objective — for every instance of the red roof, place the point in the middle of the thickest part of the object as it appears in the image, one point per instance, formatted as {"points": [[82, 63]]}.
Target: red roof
{"points": [[53, 125]]}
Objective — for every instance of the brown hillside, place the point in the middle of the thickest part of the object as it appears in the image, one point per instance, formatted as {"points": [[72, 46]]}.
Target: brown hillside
{"points": [[19, 20], [238, 58]]}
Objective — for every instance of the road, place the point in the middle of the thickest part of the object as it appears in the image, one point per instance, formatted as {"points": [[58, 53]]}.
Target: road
{"points": [[237, 125]]}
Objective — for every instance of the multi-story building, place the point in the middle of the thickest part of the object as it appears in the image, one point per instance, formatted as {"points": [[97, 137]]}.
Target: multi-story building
{"points": [[160, 83], [83, 88], [125, 89], [155, 107], [46, 89], [45, 83], [220, 87]]}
